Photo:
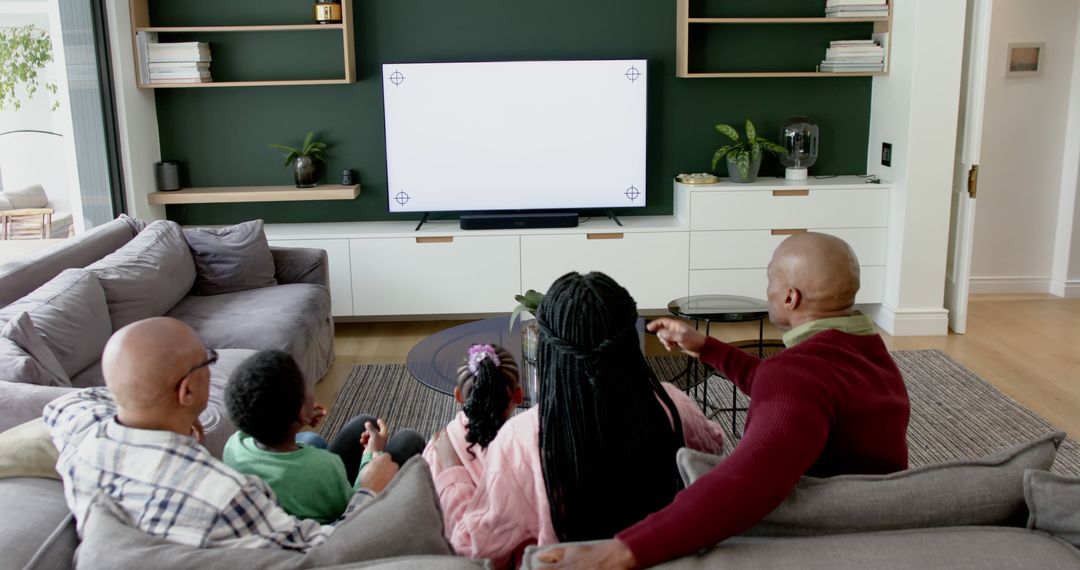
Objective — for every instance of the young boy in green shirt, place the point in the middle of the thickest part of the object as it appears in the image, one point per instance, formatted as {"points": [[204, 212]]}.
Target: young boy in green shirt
{"points": [[269, 402]]}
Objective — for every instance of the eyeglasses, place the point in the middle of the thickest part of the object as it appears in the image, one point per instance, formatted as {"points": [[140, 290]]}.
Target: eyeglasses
{"points": [[211, 358]]}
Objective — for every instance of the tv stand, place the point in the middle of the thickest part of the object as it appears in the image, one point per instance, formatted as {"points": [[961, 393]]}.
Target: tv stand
{"points": [[611, 215]]}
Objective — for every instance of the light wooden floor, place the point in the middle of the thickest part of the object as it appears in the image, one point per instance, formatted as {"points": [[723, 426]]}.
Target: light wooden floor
{"points": [[1028, 346]]}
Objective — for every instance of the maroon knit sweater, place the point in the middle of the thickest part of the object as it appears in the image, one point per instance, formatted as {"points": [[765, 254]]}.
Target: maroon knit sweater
{"points": [[830, 405]]}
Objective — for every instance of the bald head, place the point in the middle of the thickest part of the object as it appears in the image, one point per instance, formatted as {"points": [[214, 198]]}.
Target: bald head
{"points": [[144, 362], [822, 268]]}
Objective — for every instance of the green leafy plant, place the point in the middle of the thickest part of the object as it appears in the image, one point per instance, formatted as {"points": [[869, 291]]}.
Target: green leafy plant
{"points": [[309, 148], [743, 152], [527, 303], [24, 52]]}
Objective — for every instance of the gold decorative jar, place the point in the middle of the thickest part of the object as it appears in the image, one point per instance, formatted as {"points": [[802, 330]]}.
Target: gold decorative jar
{"points": [[328, 11]]}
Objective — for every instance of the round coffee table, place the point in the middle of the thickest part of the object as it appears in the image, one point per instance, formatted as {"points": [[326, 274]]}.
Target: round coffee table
{"points": [[434, 361], [719, 309]]}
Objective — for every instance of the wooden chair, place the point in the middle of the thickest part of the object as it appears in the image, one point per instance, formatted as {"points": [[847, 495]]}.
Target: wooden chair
{"points": [[30, 223]]}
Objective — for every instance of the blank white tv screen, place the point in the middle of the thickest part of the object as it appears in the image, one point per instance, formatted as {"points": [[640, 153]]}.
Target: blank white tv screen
{"points": [[518, 135]]}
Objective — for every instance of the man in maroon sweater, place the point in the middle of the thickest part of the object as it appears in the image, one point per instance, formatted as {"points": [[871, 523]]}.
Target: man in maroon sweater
{"points": [[832, 403]]}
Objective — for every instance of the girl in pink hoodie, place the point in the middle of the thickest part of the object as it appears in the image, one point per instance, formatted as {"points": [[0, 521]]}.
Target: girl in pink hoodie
{"points": [[595, 455]]}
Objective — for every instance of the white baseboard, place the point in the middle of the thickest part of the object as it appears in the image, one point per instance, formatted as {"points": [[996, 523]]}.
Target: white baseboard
{"points": [[1069, 289], [1009, 284], [910, 322]]}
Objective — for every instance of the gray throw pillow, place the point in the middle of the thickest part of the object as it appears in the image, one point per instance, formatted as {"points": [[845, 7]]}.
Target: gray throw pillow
{"points": [[69, 312], [233, 258], [404, 520], [148, 275], [25, 358], [1053, 502], [987, 491]]}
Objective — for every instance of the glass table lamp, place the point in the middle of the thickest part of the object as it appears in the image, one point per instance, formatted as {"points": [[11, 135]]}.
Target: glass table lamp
{"points": [[799, 137]]}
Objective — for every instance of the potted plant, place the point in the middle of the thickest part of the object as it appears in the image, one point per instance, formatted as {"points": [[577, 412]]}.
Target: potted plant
{"points": [[530, 342], [303, 160], [744, 156]]}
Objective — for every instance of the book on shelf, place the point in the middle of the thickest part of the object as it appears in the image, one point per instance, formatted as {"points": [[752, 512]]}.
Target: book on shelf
{"points": [[168, 57], [179, 65], [183, 80], [154, 75], [143, 40], [831, 3]]}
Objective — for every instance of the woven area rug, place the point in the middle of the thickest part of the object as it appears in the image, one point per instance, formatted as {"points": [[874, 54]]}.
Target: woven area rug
{"points": [[955, 413]]}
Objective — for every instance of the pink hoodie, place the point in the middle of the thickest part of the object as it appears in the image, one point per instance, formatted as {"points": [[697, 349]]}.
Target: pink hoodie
{"points": [[496, 515]]}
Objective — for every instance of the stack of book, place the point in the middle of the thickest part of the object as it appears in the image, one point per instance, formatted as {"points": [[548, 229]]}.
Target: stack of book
{"points": [[856, 9], [184, 62], [852, 56]]}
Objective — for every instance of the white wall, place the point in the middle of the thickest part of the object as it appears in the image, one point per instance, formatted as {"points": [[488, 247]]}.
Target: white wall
{"points": [[916, 109], [1024, 127], [138, 129], [1065, 276], [34, 158]]}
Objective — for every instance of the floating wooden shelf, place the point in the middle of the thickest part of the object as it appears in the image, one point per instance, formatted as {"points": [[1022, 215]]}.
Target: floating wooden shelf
{"points": [[225, 194], [736, 74], [682, 43], [140, 22], [267, 83], [278, 28], [784, 20]]}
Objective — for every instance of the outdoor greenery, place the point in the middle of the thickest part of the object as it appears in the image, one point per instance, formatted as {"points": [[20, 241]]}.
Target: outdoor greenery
{"points": [[743, 152], [24, 52], [309, 148]]}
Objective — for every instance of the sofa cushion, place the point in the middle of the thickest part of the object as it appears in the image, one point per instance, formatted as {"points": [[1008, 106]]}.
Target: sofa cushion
{"points": [[987, 491], [1053, 502], [19, 278], [37, 531], [20, 403], [293, 318], [232, 258], [148, 275], [959, 548], [27, 451], [70, 313], [30, 197], [403, 520], [25, 358]]}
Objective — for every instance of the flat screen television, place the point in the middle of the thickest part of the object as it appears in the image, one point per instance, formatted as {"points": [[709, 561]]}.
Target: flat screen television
{"points": [[512, 136]]}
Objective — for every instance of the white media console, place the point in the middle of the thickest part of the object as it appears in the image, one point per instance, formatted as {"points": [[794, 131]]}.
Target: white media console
{"points": [[718, 240]]}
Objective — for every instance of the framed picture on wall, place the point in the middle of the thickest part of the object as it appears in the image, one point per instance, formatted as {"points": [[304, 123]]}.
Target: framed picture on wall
{"points": [[1024, 60]]}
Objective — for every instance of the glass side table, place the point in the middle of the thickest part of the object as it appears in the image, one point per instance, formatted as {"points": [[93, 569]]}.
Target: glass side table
{"points": [[718, 309]]}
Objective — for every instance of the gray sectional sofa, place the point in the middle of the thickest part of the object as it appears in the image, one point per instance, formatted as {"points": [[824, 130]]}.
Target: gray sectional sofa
{"points": [[78, 293], [81, 291]]}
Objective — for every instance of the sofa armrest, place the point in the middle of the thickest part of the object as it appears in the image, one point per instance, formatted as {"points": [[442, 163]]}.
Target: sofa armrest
{"points": [[301, 265]]}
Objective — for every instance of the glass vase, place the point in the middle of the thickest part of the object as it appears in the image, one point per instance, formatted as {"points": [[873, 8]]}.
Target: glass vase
{"points": [[530, 369]]}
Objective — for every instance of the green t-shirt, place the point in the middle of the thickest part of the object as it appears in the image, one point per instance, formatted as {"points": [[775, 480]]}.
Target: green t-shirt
{"points": [[310, 483]]}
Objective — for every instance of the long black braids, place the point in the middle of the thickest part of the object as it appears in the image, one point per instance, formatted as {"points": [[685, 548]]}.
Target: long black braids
{"points": [[486, 379], [607, 445]]}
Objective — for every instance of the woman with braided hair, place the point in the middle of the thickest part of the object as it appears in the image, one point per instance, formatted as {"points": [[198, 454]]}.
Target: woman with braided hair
{"points": [[598, 451]]}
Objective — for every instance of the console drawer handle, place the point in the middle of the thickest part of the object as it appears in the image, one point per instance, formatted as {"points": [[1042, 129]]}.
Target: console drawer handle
{"points": [[435, 239], [789, 232], [603, 236], [782, 193]]}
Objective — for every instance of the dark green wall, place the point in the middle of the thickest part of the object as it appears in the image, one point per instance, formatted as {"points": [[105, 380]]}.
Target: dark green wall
{"points": [[220, 135]]}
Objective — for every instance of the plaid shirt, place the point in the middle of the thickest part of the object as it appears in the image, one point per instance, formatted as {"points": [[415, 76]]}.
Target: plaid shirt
{"points": [[168, 484]]}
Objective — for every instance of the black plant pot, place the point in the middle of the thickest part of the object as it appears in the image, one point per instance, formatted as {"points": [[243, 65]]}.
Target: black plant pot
{"points": [[306, 172]]}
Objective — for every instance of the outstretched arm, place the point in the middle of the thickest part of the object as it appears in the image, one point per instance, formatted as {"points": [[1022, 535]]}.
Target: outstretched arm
{"points": [[735, 364]]}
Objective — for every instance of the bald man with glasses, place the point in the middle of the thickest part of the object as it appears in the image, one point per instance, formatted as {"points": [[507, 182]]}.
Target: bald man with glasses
{"points": [[138, 441]]}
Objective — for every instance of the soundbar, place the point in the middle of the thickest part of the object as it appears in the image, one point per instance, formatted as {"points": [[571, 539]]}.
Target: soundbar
{"points": [[518, 221]]}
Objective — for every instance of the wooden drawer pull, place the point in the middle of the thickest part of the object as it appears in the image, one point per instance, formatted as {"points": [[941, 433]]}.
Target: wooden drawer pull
{"points": [[781, 193], [603, 236], [789, 232], [435, 239]]}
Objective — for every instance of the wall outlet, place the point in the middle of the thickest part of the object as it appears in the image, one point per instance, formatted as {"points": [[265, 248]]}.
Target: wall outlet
{"points": [[886, 154]]}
